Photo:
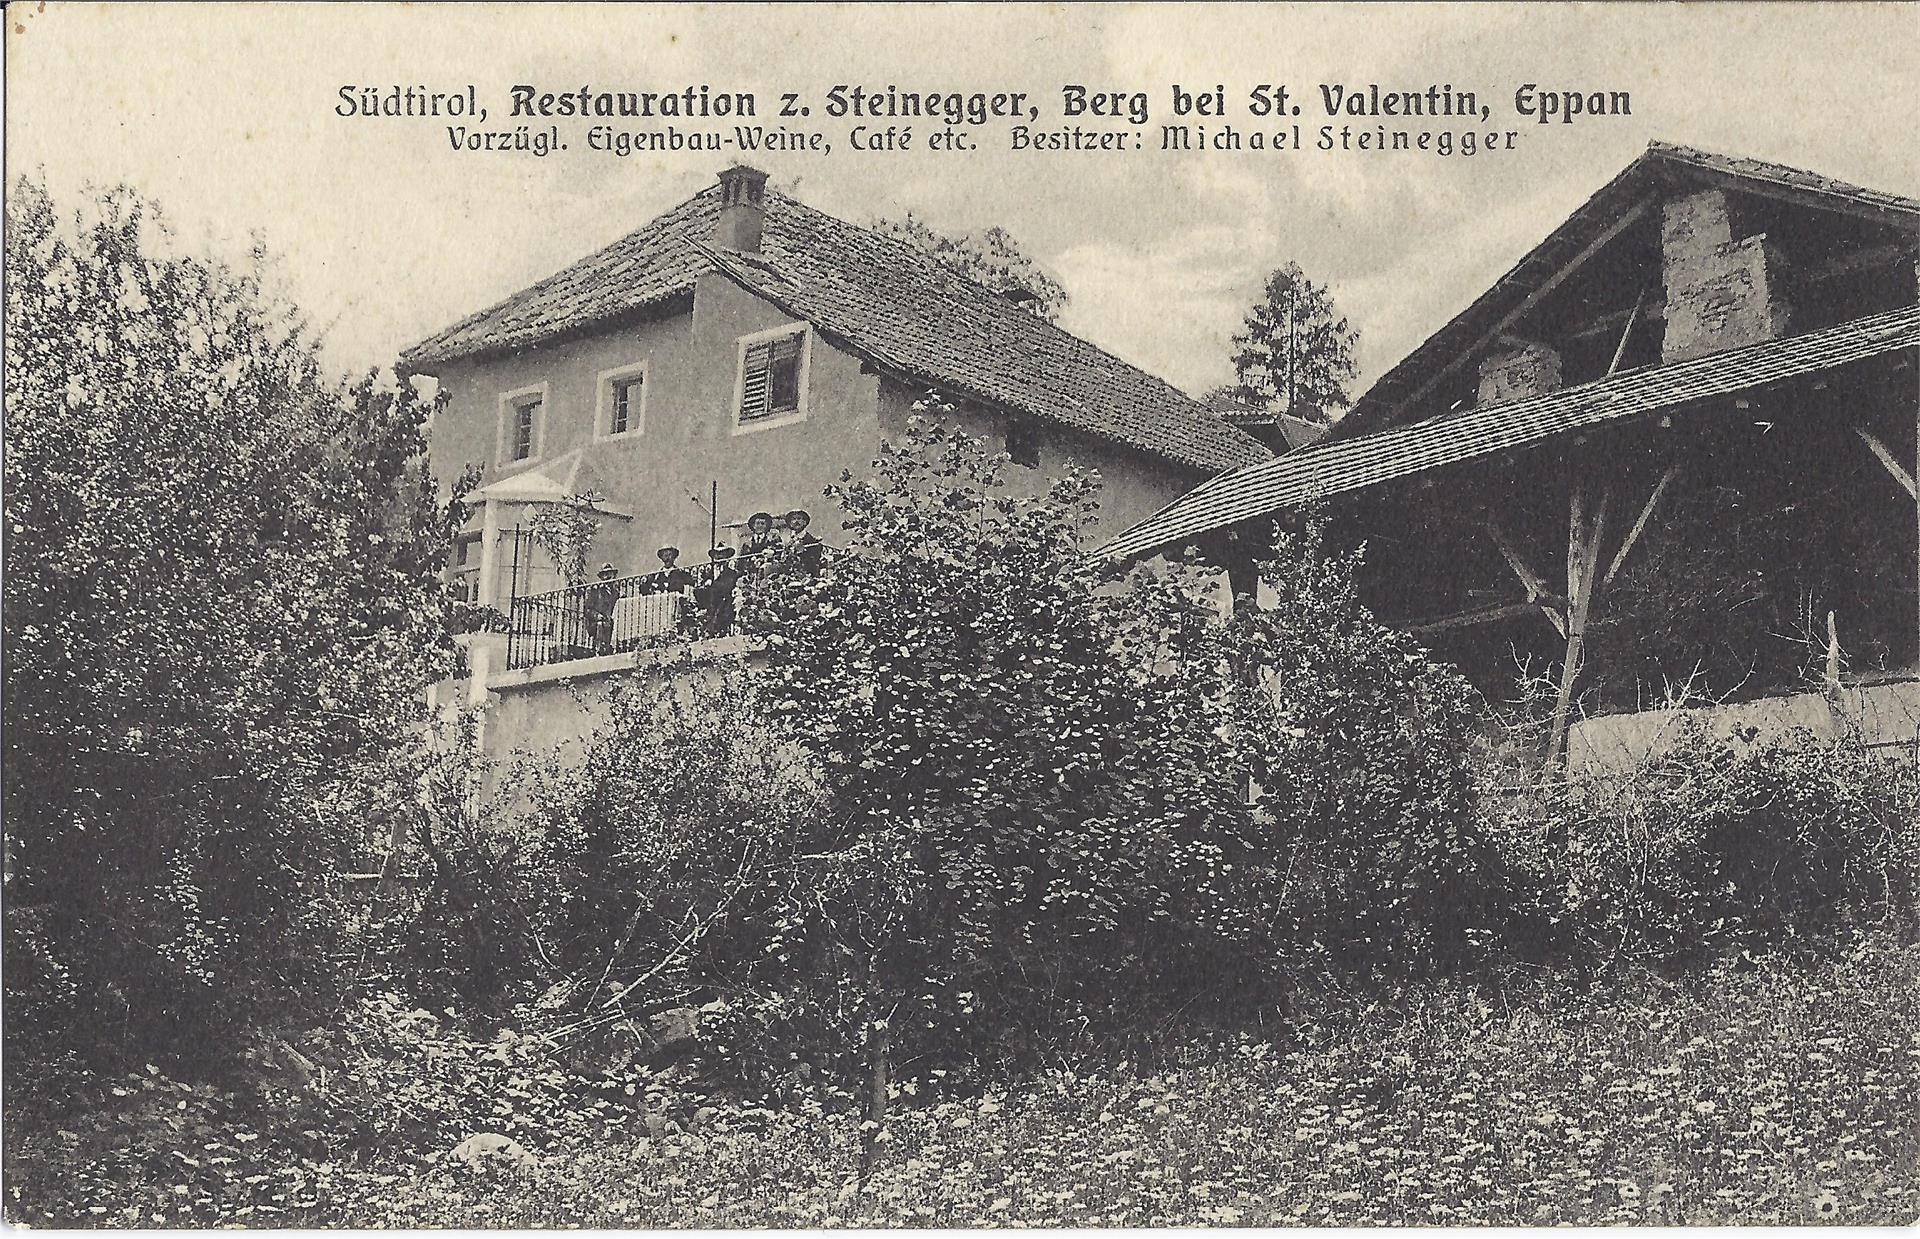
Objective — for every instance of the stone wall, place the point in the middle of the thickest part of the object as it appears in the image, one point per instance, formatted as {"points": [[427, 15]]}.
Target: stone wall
{"points": [[1529, 370], [1721, 292], [1886, 714]]}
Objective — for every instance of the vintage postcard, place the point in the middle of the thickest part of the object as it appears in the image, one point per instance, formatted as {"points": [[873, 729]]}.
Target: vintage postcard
{"points": [[801, 616]]}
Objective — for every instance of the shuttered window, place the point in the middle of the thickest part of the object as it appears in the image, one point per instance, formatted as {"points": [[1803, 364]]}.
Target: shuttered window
{"points": [[770, 378], [524, 415], [626, 404]]}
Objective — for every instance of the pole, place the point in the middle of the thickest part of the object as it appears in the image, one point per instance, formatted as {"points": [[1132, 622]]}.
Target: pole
{"points": [[713, 515], [513, 578]]}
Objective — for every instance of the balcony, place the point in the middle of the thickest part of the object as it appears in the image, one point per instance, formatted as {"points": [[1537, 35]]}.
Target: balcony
{"points": [[625, 614]]}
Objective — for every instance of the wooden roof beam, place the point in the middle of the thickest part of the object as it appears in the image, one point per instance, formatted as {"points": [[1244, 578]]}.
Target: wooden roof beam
{"points": [[1879, 448], [1527, 303]]}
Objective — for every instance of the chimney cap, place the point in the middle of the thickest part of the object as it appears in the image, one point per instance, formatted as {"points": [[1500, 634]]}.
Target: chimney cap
{"points": [[743, 205]]}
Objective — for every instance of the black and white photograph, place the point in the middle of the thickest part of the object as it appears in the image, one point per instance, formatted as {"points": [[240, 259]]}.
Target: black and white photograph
{"points": [[861, 616]]}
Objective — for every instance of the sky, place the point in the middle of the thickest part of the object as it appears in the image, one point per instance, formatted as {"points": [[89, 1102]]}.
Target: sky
{"points": [[224, 115]]}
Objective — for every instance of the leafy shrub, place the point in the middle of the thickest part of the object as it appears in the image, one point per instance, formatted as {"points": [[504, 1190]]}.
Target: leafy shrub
{"points": [[460, 923], [987, 802], [679, 853], [1716, 845], [1040, 832], [1359, 741], [413, 1081], [221, 606]]}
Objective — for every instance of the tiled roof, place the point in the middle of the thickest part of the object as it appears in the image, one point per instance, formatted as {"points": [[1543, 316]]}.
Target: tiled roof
{"points": [[1294, 431], [1337, 467], [882, 299], [1660, 163]]}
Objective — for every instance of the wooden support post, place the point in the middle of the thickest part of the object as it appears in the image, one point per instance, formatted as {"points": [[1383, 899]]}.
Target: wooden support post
{"points": [[1586, 526], [1626, 333], [1466, 619], [1536, 583], [1640, 524], [1879, 448], [1833, 655]]}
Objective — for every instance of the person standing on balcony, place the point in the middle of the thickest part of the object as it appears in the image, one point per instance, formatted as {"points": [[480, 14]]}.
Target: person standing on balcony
{"points": [[715, 598], [669, 577], [596, 607], [806, 545], [676, 582], [758, 545]]}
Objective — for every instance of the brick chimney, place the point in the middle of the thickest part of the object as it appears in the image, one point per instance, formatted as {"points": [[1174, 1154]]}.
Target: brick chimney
{"points": [[1720, 293], [743, 209]]}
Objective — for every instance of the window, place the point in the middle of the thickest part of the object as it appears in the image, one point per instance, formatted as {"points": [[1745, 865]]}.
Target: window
{"points": [[466, 567], [622, 401], [524, 415], [1023, 445], [772, 378], [626, 405], [522, 424]]}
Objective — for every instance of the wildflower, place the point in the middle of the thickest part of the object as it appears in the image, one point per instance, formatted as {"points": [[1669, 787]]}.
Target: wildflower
{"points": [[1826, 1204]]}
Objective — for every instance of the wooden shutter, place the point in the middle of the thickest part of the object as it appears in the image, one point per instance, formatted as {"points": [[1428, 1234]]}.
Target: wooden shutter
{"points": [[755, 379]]}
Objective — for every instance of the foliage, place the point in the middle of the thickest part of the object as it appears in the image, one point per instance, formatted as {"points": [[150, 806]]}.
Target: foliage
{"points": [[1783, 1094], [219, 602], [1294, 353], [988, 800], [1715, 846], [1359, 741], [1036, 841], [991, 258], [463, 617], [465, 926], [680, 847], [565, 531]]}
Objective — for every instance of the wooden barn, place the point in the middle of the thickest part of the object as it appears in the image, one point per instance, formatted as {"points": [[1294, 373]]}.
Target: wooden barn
{"points": [[1670, 454]]}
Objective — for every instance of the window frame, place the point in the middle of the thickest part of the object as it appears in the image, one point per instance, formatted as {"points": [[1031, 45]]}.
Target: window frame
{"points": [[511, 403], [606, 383], [741, 347]]}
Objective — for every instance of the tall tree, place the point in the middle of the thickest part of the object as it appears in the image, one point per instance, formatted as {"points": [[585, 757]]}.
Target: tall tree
{"points": [[220, 600], [1294, 353], [992, 258]]}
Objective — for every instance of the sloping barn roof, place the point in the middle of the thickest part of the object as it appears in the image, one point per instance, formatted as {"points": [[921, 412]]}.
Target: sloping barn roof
{"points": [[883, 299], [1588, 227], [1337, 467]]}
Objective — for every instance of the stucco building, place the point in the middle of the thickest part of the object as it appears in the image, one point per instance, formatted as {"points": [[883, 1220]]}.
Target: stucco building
{"points": [[734, 356]]}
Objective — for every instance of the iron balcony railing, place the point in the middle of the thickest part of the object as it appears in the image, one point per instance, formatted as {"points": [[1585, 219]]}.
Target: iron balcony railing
{"points": [[623, 614]]}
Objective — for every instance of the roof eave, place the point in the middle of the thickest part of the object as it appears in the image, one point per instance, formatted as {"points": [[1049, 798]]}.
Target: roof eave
{"points": [[664, 305]]}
